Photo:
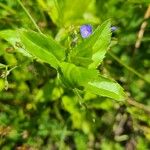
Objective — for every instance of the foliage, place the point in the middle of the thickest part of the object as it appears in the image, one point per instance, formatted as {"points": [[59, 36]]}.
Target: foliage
{"points": [[56, 89]]}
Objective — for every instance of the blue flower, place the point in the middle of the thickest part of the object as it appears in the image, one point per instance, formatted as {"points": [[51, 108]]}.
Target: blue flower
{"points": [[85, 30], [113, 28]]}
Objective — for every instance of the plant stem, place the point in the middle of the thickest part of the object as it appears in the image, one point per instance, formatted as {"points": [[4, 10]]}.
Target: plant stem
{"points": [[28, 14], [2, 66], [13, 68], [127, 67], [80, 98], [138, 105], [142, 29]]}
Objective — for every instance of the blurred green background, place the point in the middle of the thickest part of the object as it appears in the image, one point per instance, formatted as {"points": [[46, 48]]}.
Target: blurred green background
{"points": [[38, 113]]}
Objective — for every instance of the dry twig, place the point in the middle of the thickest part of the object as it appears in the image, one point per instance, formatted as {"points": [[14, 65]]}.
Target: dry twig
{"points": [[142, 29]]}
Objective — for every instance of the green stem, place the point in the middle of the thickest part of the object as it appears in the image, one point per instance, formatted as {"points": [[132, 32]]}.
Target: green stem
{"points": [[13, 68], [80, 98], [28, 14], [127, 67], [6, 81], [2, 66]]}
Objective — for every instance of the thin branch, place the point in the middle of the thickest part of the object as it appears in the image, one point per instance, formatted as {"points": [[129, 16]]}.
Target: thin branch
{"points": [[28, 14], [139, 105], [142, 29], [127, 67]]}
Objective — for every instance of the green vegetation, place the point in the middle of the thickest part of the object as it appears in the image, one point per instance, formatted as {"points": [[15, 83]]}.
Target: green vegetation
{"points": [[62, 90]]}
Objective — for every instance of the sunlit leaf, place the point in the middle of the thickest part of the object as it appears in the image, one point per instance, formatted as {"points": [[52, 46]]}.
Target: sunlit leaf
{"points": [[74, 76], [106, 87], [42, 47], [13, 38], [92, 50]]}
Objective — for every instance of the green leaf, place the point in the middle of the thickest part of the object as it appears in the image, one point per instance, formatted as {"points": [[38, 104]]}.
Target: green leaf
{"points": [[12, 37], [102, 44], [46, 43], [92, 50], [70, 104], [52, 7], [106, 87], [73, 12], [74, 76], [81, 140], [42, 47], [64, 13]]}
